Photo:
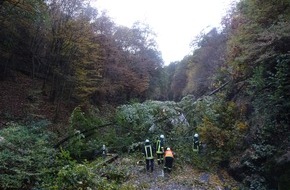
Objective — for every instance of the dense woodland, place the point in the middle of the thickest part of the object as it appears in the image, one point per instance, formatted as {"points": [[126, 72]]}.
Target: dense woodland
{"points": [[71, 80]]}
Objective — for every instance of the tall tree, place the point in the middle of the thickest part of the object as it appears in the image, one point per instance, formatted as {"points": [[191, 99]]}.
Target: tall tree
{"points": [[258, 58], [179, 79], [131, 61], [23, 35], [73, 68], [206, 61]]}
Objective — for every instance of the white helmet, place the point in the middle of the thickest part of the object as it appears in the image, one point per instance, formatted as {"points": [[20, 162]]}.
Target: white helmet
{"points": [[168, 148], [146, 140], [195, 135], [162, 136]]}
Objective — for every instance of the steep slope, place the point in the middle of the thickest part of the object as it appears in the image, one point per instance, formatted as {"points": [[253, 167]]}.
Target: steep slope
{"points": [[21, 99]]}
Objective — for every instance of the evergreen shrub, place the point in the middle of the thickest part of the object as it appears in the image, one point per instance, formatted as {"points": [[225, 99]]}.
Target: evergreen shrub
{"points": [[26, 155]]}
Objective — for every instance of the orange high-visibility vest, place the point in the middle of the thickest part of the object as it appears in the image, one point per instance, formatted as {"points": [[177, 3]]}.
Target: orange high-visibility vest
{"points": [[168, 153]]}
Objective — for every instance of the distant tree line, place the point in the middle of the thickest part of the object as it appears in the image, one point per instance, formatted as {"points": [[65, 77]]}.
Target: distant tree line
{"points": [[79, 53]]}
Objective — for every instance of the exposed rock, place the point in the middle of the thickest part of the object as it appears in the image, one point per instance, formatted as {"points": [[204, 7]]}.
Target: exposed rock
{"points": [[204, 178]]}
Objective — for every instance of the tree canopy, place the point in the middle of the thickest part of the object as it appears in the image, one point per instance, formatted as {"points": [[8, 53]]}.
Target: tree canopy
{"points": [[232, 89]]}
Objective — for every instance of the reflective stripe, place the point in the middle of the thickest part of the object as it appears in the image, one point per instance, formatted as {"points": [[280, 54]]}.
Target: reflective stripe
{"points": [[195, 149], [168, 153], [148, 152], [196, 146], [159, 147]]}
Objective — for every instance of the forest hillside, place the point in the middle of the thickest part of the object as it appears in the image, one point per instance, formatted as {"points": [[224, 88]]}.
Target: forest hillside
{"points": [[72, 80]]}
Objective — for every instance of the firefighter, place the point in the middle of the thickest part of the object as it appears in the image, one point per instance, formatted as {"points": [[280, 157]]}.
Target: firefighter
{"points": [[160, 150], [148, 153], [196, 142], [169, 157], [104, 151]]}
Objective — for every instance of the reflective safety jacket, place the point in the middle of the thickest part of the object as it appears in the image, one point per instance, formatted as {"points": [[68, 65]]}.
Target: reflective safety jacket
{"points": [[168, 153], [196, 144], [148, 152], [159, 147]]}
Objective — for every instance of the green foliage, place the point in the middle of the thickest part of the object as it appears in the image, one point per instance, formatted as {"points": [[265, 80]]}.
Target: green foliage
{"points": [[270, 89], [72, 175], [152, 118], [219, 124], [135, 121], [79, 120], [77, 176], [146, 120], [116, 174], [67, 173], [258, 55], [80, 142], [274, 85], [263, 151], [254, 160], [186, 155], [188, 104], [64, 158], [255, 182], [25, 155]]}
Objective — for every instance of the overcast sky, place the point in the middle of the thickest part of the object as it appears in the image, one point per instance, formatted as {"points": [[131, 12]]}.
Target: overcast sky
{"points": [[176, 22]]}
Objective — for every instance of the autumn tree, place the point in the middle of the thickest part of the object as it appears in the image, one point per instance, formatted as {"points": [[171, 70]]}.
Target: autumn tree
{"points": [[23, 35], [130, 58], [167, 77], [179, 79], [205, 63], [73, 51]]}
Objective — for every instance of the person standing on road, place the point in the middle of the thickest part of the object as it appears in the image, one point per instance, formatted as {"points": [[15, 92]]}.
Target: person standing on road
{"points": [[160, 150], [148, 153], [168, 160]]}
